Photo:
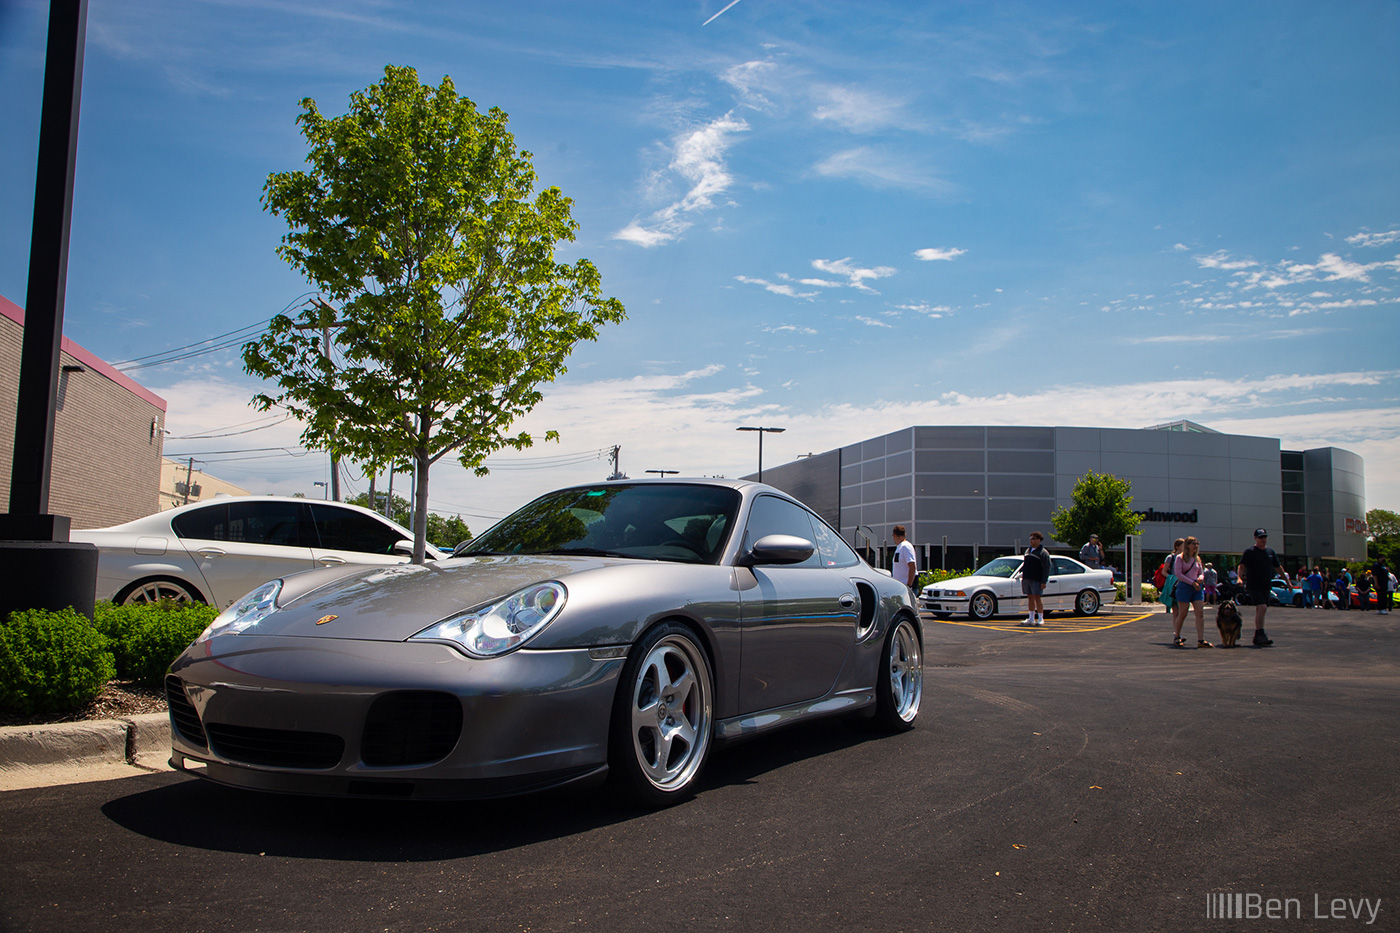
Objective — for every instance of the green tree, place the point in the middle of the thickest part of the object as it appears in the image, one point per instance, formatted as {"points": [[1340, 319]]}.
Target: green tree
{"points": [[1100, 504], [1383, 529], [418, 215], [442, 531]]}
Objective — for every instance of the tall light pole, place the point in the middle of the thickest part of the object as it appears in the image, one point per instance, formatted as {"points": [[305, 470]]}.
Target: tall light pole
{"points": [[664, 473], [761, 432]]}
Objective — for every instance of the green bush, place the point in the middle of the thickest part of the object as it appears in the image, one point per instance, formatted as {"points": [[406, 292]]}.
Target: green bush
{"points": [[147, 637], [938, 576], [1149, 592], [51, 662]]}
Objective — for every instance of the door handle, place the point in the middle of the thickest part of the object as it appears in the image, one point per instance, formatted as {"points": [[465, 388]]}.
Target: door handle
{"points": [[330, 561], [847, 601], [211, 552]]}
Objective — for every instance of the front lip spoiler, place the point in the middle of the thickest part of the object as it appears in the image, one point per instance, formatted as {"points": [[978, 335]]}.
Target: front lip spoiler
{"points": [[401, 787]]}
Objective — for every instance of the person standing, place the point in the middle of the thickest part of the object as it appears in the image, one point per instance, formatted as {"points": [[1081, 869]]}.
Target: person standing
{"points": [[1212, 584], [1091, 554], [906, 569], [1344, 589], [1035, 570], [1363, 588], [1190, 593], [1316, 599], [1257, 567]]}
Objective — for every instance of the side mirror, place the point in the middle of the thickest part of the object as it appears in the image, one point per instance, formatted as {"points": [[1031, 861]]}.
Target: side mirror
{"points": [[780, 549], [403, 546], [461, 547]]}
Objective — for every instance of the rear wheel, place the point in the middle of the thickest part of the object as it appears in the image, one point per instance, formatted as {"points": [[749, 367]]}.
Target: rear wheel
{"points": [[155, 589], [663, 718], [900, 688], [1087, 603]]}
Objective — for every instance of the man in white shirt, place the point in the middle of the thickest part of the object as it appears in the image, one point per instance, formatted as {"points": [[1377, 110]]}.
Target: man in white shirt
{"points": [[904, 570]]}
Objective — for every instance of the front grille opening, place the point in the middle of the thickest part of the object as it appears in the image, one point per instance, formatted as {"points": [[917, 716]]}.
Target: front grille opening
{"points": [[276, 748], [411, 727], [183, 714]]}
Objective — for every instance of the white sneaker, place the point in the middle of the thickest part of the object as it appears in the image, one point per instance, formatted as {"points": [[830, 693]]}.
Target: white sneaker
{"points": [[1028, 622], [1039, 621]]}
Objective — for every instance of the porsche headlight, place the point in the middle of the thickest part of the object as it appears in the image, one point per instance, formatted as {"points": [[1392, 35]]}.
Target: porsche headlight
{"points": [[503, 626], [244, 614]]}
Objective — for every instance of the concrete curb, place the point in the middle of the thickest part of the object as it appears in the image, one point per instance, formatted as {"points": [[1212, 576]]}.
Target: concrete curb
{"points": [[33, 756]]}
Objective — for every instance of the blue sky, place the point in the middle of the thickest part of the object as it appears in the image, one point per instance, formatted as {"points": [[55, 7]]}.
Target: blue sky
{"points": [[840, 218]]}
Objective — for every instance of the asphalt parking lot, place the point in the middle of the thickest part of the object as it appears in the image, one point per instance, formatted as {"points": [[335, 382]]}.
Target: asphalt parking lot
{"points": [[1085, 776]]}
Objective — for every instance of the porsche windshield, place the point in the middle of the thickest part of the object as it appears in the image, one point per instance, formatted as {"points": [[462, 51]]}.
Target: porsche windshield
{"points": [[1001, 567], [652, 521]]}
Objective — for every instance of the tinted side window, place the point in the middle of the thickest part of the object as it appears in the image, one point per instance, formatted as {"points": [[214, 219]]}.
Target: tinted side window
{"points": [[276, 523], [210, 522], [773, 516], [344, 530], [1061, 565]]}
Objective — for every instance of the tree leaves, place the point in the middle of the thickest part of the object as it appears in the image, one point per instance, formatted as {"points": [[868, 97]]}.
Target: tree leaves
{"points": [[418, 214]]}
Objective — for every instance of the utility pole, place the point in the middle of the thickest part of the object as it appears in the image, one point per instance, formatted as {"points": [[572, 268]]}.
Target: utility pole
{"points": [[616, 466], [189, 480], [326, 350]]}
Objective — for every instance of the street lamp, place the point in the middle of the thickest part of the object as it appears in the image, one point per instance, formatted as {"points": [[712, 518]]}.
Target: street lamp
{"points": [[761, 432], [322, 485], [664, 473]]}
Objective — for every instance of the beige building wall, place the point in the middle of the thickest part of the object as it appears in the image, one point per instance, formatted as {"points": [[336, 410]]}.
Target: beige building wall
{"points": [[175, 475], [108, 433]]}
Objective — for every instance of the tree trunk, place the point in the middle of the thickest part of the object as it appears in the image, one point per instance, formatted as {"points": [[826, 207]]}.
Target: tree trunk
{"points": [[420, 508]]}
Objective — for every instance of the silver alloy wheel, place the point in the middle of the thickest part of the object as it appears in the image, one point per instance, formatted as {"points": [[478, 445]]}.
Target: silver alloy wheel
{"points": [[1088, 602], [906, 672], [983, 606], [671, 709], [153, 591]]}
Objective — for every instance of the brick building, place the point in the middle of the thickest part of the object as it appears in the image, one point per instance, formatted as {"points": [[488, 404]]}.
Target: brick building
{"points": [[108, 434]]}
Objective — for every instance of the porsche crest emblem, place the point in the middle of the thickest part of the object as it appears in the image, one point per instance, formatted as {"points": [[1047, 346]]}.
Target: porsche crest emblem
{"points": [[324, 619]]}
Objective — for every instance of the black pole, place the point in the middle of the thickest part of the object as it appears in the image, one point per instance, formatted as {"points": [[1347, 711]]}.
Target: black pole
{"points": [[48, 271], [34, 544]]}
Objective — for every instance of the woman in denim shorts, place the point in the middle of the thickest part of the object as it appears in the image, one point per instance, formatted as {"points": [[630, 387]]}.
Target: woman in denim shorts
{"points": [[1190, 593]]}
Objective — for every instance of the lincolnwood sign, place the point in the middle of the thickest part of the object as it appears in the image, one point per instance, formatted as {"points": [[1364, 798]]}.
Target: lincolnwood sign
{"points": [[1152, 515]]}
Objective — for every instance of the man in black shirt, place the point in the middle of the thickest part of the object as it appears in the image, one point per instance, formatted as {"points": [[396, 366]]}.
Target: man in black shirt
{"points": [[1381, 572], [1257, 568]]}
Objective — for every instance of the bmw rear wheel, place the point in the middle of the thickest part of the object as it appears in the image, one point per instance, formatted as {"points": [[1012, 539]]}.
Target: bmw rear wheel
{"points": [[900, 688], [663, 718], [982, 606], [155, 589], [1087, 603]]}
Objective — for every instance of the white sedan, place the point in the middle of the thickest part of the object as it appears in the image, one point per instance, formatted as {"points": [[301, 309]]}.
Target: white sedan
{"points": [[214, 552], [996, 589]]}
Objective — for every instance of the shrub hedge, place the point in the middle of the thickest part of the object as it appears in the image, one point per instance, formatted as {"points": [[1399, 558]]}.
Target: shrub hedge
{"points": [[53, 662]]}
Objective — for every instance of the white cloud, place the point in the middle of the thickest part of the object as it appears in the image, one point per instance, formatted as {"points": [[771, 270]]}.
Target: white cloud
{"points": [[774, 287], [871, 322], [858, 111], [856, 276], [697, 158], [1374, 239], [877, 168], [936, 254]]}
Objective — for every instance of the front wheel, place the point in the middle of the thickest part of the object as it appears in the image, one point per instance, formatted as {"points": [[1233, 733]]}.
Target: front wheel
{"points": [[982, 606], [1087, 603], [663, 718], [900, 688]]}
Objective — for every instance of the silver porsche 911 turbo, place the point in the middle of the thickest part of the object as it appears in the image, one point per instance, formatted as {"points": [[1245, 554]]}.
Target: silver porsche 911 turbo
{"points": [[614, 630]]}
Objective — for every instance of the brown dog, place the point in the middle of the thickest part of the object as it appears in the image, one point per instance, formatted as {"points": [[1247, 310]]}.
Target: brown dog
{"points": [[1227, 619]]}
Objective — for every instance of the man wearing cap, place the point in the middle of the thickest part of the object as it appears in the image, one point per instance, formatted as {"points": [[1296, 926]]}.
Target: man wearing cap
{"points": [[1091, 554], [1257, 568]]}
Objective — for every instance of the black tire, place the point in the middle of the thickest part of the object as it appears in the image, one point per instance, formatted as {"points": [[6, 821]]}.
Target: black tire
{"points": [[154, 589], [982, 606], [1087, 603], [662, 718], [899, 688]]}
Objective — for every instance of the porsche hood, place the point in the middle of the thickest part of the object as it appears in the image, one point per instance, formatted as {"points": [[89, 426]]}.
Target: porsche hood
{"points": [[396, 602]]}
